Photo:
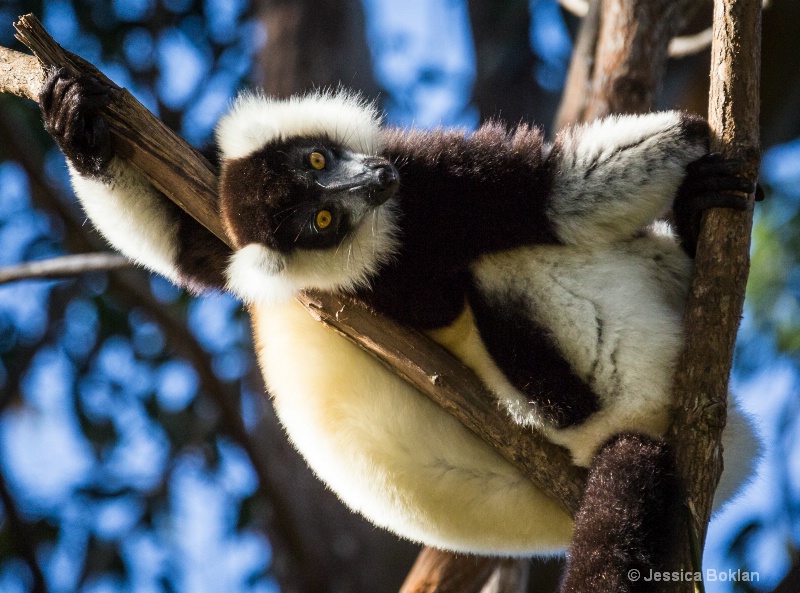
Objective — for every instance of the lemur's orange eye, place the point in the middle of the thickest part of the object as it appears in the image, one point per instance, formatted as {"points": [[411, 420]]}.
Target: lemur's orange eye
{"points": [[324, 219], [317, 160]]}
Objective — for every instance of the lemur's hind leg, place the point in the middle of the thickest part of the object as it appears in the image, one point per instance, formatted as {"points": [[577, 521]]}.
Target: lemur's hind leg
{"points": [[626, 520], [132, 215]]}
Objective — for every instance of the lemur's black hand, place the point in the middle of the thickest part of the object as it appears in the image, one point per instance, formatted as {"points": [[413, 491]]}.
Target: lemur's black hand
{"points": [[712, 181], [70, 107]]}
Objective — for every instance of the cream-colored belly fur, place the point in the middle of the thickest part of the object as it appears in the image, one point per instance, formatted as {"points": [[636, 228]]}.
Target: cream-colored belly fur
{"points": [[391, 454]]}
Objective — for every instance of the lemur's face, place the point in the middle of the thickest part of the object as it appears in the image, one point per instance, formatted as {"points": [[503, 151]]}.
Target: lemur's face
{"points": [[307, 213], [303, 193]]}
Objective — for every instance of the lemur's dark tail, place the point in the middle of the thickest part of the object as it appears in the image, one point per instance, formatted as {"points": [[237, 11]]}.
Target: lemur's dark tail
{"points": [[627, 519]]}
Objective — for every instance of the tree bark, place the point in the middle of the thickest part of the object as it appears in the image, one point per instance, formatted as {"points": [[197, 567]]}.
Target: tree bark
{"points": [[717, 293], [631, 56]]}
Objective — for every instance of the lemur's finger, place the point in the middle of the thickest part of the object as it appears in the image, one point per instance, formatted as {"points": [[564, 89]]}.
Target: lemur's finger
{"points": [[721, 199], [727, 183], [715, 163]]}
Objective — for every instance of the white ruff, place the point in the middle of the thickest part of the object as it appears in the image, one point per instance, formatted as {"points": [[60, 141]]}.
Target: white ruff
{"points": [[254, 120], [256, 273]]}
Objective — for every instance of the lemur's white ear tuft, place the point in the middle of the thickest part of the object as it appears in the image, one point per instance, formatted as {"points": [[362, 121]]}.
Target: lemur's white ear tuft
{"points": [[254, 120]]}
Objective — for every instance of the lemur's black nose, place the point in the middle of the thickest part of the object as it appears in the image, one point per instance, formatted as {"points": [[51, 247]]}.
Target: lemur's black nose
{"points": [[385, 176], [385, 180]]}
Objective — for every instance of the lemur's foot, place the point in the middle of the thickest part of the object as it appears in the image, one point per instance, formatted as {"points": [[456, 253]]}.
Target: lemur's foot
{"points": [[71, 110], [712, 181]]}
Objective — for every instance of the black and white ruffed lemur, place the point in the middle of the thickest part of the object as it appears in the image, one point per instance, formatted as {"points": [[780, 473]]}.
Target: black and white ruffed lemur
{"points": [[541, 267]]}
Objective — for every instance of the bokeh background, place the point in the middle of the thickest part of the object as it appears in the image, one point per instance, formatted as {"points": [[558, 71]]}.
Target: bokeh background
{"points": [[137, 449]]}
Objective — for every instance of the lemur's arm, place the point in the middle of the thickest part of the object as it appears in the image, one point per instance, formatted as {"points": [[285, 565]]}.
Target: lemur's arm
{"points": [[131, 214], [599, 183], [615, 176]]}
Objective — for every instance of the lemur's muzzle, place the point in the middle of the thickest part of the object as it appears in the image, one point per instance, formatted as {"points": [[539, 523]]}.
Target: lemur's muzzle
{"points": [[384, 180]]}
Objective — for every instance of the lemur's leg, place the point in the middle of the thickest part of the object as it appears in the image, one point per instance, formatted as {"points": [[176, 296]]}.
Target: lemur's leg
{"points": [[626, 520], [132, 215], [615, 176]]}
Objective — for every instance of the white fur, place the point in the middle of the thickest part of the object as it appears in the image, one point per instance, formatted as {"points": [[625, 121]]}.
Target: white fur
{"points": [[257, 273], [405, 464], [131, 215], [391, 454], [742, 446], [620, 337], [254, 120], [616, 175]]}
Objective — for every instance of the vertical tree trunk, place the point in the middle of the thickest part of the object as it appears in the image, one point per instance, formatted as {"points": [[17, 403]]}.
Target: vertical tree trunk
{"points": [[631, 56], [716, 298], [628, 67], [313, 44]]}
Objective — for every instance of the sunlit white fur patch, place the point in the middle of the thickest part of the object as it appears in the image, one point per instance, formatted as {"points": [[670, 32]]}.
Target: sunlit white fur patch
{"points": [[256, 273], [254, 120], [132, 216], [621, 338], [617, 174]]}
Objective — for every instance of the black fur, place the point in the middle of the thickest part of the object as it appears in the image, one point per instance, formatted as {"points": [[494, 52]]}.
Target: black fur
{"points": [[460, 196], [712, 181], [627, 519], [203, 257], [531, 361], [70, 108]]}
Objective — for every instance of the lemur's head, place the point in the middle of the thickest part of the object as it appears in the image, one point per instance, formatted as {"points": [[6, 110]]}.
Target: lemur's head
{"points": [[305, 195]]}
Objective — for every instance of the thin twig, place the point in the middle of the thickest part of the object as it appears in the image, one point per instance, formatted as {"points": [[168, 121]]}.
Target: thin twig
{"points": [[65, 266]]}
